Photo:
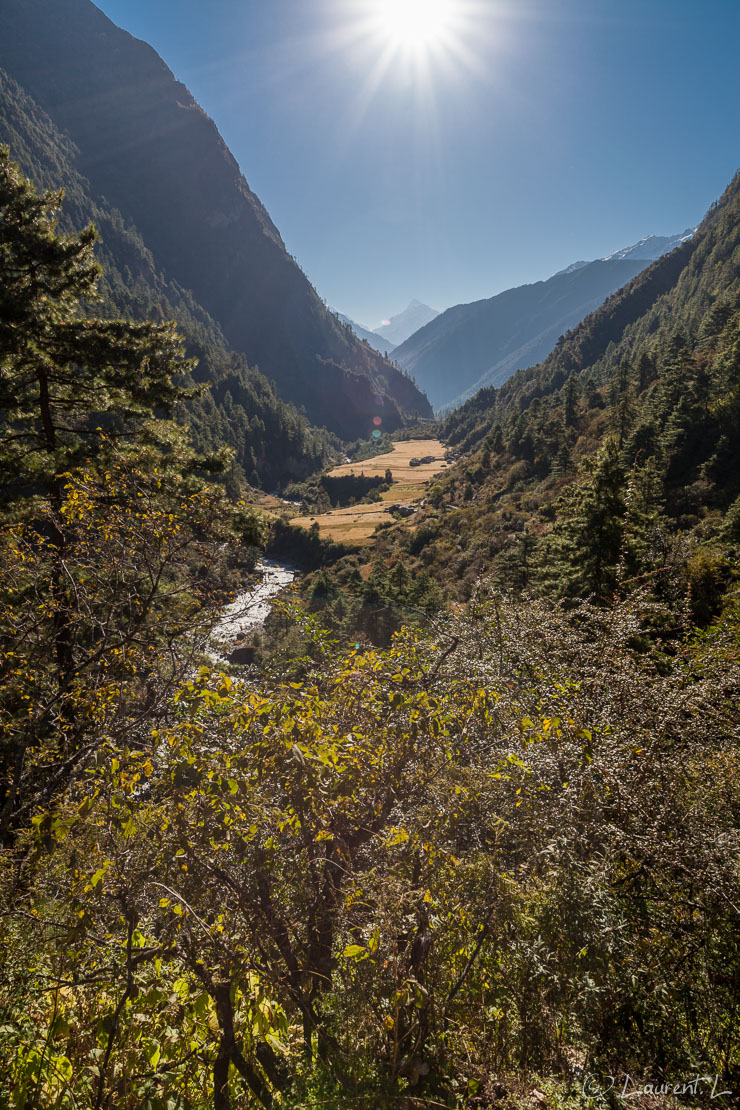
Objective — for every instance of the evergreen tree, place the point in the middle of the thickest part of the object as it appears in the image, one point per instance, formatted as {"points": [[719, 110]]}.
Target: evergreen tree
{"points": [[622, 413], [69, 384], [584, 552]]}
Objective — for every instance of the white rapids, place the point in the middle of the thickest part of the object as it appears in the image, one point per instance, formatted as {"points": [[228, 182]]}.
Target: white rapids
{"points": [[249, 609]]}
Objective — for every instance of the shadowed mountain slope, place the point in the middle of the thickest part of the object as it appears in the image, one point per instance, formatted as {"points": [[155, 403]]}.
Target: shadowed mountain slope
{"points": [[148, 148], [272, 442]]}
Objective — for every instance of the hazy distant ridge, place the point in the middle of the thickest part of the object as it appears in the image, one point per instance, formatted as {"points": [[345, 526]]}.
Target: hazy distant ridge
{"points": [[474, 345]]}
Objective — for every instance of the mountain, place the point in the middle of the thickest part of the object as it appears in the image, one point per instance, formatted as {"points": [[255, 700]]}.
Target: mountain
{"points": [[615, 456], [273, 443], [376, 341], [471, 346], [144, 145], [683, 296], [648, 249], [405, 323], [653, 247]]}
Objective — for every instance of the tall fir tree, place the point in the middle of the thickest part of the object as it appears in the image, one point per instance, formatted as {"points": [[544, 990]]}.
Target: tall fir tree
{"points": [[69, 383]]}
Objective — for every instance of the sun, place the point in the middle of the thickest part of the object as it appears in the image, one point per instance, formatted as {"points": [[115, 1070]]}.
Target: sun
{"points": [[414, 48], [415, 25]]}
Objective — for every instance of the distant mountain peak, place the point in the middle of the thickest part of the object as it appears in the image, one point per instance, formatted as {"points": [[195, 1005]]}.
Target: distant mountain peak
{"points": [[648, 249], [652, 247], [399, 327]]}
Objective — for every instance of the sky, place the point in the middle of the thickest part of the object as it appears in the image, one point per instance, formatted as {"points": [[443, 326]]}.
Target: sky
{"points": [[445, 150]]}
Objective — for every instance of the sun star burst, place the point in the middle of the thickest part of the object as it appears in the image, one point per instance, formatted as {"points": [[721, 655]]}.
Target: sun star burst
{"points": [[415, 25]]}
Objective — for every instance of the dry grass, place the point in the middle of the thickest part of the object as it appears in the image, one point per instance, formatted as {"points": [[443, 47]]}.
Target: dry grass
{"points": [[356, 524], [398, 461]]}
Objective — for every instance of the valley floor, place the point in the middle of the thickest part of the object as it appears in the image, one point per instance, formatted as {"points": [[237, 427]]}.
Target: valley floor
{"points": [[357, 523]]}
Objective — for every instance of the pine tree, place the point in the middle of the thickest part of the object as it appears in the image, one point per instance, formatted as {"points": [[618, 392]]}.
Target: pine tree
{"points": [[622, 413], [583, 554], [69, 384], [570, 402]]}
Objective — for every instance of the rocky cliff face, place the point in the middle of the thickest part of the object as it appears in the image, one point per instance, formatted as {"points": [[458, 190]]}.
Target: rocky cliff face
{"points": [[150, 150]]}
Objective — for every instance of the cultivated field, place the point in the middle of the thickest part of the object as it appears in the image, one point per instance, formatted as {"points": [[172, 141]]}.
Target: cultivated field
{"points": [[399, 460], [356, 524]]}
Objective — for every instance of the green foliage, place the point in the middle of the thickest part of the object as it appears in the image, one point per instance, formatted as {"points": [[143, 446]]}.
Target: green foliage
{"points": [[104, 519], [302, 546], [324, 492], [68, 384], [601, 537], [369, 610], [417, 869]]}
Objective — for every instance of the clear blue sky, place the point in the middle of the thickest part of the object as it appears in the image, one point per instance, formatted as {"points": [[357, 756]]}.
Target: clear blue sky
{"points": [[529, 134]]}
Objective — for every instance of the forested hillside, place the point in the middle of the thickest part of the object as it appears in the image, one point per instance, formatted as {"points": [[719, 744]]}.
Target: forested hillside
{"points": [[144, 145], [493, 863], [273, 444], [616, 458]]}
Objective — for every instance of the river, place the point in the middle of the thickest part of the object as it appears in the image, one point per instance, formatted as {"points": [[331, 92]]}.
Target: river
{"points": [[249, 609]]}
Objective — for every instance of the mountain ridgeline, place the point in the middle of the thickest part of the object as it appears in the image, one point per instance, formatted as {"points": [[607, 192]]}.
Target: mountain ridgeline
{"points": [[142, 143], [273, 443], [480, 344], [648, 249], [616, 457]]}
